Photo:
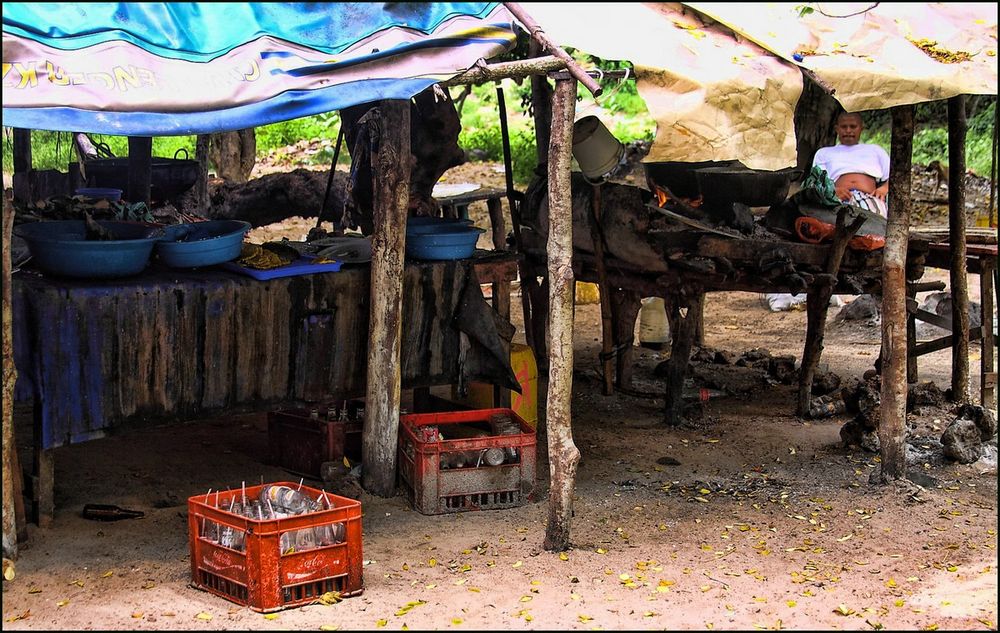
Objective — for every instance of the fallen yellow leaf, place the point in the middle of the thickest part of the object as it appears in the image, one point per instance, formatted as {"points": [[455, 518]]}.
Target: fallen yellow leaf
{"points": [[526, 598], [137, 615], [843, 610], [270, 616], [601, 550], [330, 597], [329, 627], [563, 556], [8, 569], [381, 623], [517, 564], [456, 621], [62, 603], [108, 574]]}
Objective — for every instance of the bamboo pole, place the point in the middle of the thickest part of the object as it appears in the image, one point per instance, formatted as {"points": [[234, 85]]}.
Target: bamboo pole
{"points": [[957, 127], [563, 453], [9, 378], [391, 165], [892, 424], [538, 34]]}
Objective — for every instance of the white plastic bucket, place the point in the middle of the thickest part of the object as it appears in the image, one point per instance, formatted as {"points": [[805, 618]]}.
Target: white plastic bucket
{"points": [[595, 149]]}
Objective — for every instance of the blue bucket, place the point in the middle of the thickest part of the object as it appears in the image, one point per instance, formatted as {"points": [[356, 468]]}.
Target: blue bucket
{"points": [[61, 248]]}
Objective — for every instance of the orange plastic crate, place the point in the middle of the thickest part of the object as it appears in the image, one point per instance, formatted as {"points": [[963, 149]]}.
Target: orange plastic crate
{"points": [[436, 490], [261, 577]]}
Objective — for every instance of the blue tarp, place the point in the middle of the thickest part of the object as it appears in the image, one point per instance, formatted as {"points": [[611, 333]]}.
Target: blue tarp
{"points": [[160, 69]]}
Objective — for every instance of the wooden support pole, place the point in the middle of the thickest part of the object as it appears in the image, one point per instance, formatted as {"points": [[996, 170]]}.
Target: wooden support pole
{"points": [[607, 329], [988, 375], [625, 305], [892, 424], [201, 184], [957, 127], [22, 166], [541, 106], [818, 304], [538, 34], [563, 453], [683, 322], [9, 378], [391, 166], [140, 169]]}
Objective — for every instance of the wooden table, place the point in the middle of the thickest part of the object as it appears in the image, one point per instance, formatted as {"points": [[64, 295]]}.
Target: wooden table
{"points": [[981, 259], [173, 344]]}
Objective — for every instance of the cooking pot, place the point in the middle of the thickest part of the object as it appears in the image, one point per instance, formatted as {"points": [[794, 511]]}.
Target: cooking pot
{"points": [[722, 186], [169, 177], [679, 176]]}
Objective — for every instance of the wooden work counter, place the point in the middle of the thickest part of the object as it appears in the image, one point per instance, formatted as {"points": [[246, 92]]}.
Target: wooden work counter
{"points": [[171, 343]]}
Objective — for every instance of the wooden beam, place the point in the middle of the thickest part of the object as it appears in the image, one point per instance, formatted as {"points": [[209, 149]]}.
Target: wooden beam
{"points": [[9, 378], [957, 127], [538, 34], [140, 169], [517, 70], [563, 453], [938, 344], [892, 424], [391, 165]]}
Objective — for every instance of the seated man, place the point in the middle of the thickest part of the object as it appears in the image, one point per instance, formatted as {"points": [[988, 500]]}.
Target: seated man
{"points": [[859, 170]]}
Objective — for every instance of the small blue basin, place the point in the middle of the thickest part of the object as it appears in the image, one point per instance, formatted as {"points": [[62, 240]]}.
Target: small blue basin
{"points": [[423, 224], [197, 244], [447, 242]]}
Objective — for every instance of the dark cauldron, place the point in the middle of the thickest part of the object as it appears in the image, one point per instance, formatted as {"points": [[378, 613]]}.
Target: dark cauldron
{"points": [[679, 177], [169, 177], [722, 186]]}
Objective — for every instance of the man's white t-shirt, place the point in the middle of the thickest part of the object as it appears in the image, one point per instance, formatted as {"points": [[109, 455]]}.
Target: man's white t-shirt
{"points": [[863, 158]]}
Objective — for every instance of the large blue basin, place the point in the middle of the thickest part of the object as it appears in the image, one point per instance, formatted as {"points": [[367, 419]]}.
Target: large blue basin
{"points": [[60, 248]]}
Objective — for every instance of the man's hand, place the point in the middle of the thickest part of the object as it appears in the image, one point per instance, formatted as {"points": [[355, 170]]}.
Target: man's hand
{"points": [[843, 192], [882, 191]]}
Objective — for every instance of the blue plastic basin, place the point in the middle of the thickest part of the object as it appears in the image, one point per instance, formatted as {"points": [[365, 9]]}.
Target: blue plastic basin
{"points": [[100, 193], [201, 243], [61, 248], [423, 224], [447, 242]]}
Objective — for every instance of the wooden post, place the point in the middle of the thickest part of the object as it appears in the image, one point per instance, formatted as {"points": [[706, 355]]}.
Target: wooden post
{"points": [[818, 304], [682, 339], [607, 330], [391, 165], [988, 376], [9, 378], [563, 453], [201, 185], [541, 106], [625, 307], [22, 166], [957, 126], [140, 167], [892, 425]]}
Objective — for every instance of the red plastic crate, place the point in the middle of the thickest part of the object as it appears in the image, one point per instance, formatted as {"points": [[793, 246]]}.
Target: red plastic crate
{"points": [[436, 490], [300, 444], [262, 577]]}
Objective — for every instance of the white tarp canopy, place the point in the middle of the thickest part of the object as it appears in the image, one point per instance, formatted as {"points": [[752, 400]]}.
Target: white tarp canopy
{"points": [[722, 79]]}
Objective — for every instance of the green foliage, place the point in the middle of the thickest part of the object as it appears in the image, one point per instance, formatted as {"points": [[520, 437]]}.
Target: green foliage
{"points": [[278, 135], [930, 144], [489, 140]]}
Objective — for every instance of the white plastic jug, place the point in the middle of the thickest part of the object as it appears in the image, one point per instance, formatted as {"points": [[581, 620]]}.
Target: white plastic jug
{"points": [[654, 331]]}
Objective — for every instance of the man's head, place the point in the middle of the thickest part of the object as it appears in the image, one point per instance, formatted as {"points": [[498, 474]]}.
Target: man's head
{"points": [[849, 126]]}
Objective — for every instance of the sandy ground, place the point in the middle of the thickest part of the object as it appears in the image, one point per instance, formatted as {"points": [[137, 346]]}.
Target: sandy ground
{"points": [[751, 518]]}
